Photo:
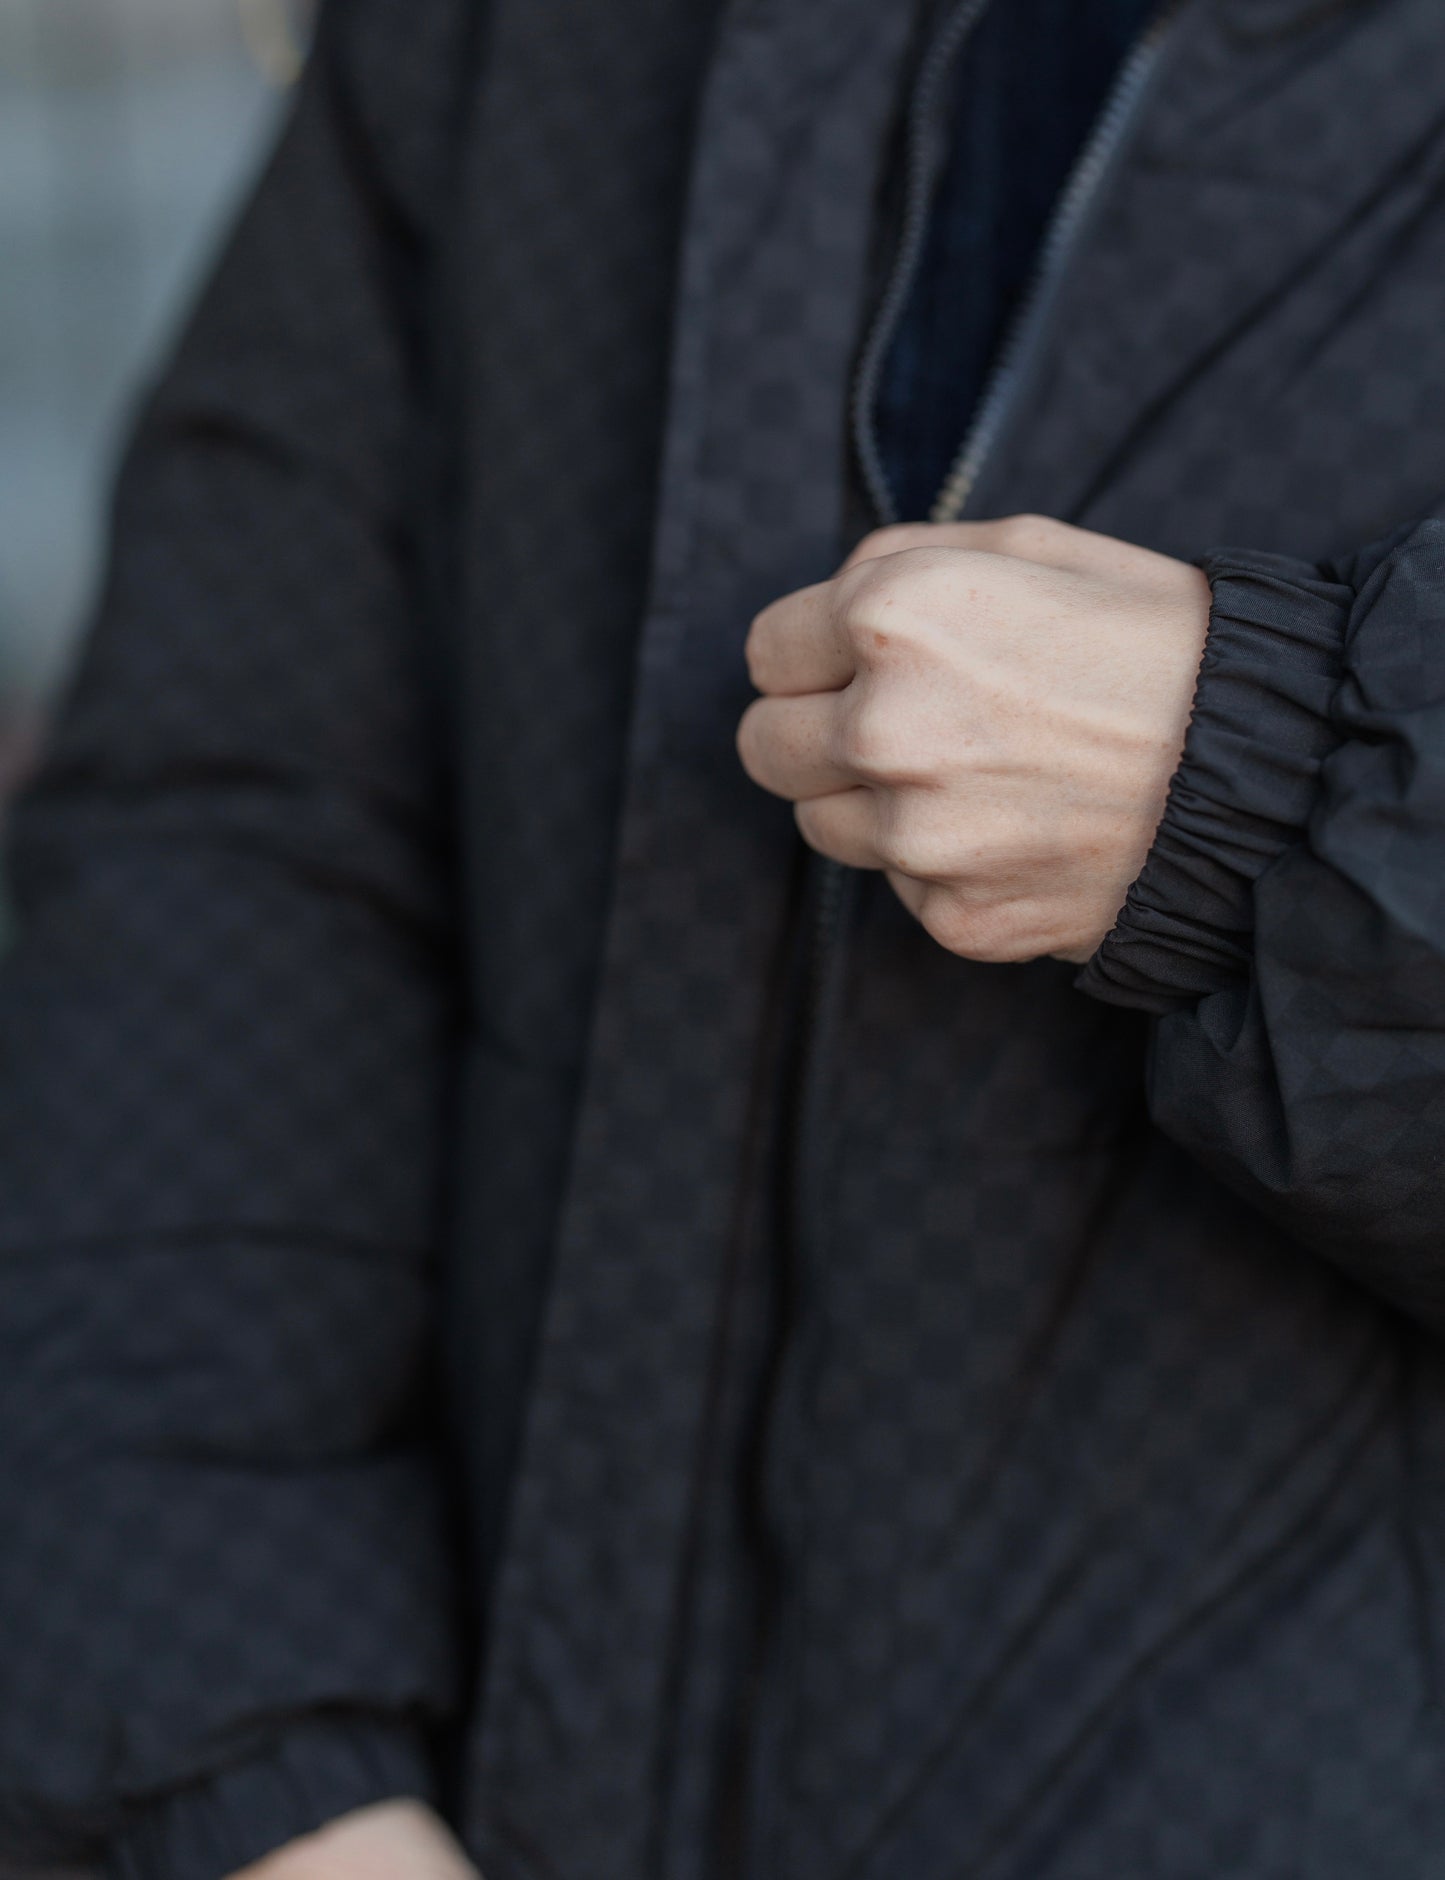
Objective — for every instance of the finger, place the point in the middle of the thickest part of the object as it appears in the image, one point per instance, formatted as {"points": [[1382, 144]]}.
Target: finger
{"points": [[1040, 539], [1027, 538], [842, 827], [896, 539], [1054, 544], [909, 891], [787, 745], [796, 645]]}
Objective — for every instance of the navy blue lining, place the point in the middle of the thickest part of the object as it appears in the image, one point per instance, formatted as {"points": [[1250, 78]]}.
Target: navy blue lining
{"points": [[1030, 84]]}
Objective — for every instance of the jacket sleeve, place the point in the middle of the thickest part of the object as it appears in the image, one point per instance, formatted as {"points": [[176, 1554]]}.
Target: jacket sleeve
{"points": [[1288, 929], [224, 1035]]}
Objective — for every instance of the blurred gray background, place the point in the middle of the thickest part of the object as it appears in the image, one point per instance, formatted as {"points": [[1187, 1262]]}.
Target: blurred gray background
{"points": [[127, 129]]}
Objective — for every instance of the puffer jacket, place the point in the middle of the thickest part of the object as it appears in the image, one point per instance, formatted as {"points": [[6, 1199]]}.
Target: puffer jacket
{"points": [[518, 1289]]}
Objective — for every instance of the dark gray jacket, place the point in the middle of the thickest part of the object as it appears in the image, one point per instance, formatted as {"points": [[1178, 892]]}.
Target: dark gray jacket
{"points": [[514, 1290]]}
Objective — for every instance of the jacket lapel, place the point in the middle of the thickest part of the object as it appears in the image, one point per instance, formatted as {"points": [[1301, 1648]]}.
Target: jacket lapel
{"points": [[1259, 156], [576, 1707]]}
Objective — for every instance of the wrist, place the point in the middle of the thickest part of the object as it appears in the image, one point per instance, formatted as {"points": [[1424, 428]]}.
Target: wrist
{"points": [[1244, 790]]}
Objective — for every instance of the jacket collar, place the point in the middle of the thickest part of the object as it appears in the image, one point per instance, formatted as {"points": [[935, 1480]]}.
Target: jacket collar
{"points": [[1256, 20]]}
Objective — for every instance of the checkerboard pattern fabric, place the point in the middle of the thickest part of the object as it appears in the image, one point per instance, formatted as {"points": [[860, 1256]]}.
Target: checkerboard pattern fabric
{"points": [[415, 1379]]}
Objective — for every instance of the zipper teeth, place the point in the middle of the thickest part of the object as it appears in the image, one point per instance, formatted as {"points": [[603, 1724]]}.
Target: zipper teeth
{"points": [[1083, 183], [922, 133], [1058, 246]]}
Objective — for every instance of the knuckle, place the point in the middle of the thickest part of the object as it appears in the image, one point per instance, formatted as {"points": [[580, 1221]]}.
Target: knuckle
{"points": [[812, 824], [876, 616], [867, 744], [893, 851], [1022, 533], [948, 920], [866, 588], [913, 843], [891, 540]]}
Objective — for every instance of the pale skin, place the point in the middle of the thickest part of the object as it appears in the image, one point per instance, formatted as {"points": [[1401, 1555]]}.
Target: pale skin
{"points": [[381, 1842], [990, 713]]}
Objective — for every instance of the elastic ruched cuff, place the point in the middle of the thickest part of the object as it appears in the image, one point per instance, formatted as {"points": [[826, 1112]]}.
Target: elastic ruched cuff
{"points": [[1244, 788], [319, 1770]]}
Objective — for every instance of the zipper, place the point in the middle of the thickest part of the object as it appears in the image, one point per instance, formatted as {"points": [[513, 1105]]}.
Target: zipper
{"points": [[926, 149], [829, 890], [827, 894], [1030, 325], [832, 885]]}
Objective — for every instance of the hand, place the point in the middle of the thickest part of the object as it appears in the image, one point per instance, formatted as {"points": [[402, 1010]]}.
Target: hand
{"points": [[988, 712], [400, 1840]]}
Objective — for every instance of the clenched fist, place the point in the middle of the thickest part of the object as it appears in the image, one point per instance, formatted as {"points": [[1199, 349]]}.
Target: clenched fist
{"points": [[988, 712]]}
